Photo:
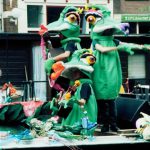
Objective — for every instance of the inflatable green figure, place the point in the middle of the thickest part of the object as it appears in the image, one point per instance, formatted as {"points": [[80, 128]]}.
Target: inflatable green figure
{"points": [[68, 26], [107, 75], [84, 107], [75, 109]]}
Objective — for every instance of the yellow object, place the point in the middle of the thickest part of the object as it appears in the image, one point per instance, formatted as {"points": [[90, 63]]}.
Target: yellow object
{"points": [[90, 51], [122, 91], [80, 10], [77, 83], [90, 60], [91, 19], [86, 8], [67, 96], [68, 93]]}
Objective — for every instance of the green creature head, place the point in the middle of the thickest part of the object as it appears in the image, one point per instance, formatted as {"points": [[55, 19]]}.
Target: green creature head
{"points": [[83, 61], [68, 22], [101, 22]]}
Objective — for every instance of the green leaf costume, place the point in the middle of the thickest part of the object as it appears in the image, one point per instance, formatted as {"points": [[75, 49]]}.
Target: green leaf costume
{"points": [[70, 29], [73, 120], [77, 113], [107, 75]]}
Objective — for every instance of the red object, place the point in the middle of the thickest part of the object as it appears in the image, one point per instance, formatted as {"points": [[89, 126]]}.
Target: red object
{"points": [[43, 29], [57, 68], [12, 90], [4, 87], [28, 107]]}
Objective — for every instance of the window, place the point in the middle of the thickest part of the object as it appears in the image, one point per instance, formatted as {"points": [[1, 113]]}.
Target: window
{"points": [[144, 27], [132, 29], [34, 14], [136, 66], [139, 28], [139, 23], [54, 12], [0, 25]]}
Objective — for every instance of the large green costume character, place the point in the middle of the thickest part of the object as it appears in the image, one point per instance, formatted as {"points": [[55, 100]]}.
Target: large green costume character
{"points": [[107, 75], [68, 25], [78, 101], [81, 63]]}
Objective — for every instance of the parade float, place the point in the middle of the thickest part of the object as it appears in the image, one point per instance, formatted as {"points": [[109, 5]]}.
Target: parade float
{"points": [[36, 124]]}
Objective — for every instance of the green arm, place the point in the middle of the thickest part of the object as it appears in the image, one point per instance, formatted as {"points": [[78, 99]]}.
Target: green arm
{"points": [[128, 47], [48, 65], [146, 47]]}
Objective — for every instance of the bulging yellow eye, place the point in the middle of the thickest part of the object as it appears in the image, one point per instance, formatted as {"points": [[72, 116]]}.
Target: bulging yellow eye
{"points": [[72, 18], [90, 60], [91, 19]]}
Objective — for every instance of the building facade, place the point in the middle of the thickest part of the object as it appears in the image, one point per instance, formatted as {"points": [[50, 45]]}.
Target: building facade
{"points": [[137, 14], [24, 16], [21, 59], [20, 21]]}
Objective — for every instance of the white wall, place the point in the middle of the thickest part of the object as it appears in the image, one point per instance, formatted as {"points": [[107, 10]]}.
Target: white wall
{"points": [[1, 11], [22, 5], [22, 10]]}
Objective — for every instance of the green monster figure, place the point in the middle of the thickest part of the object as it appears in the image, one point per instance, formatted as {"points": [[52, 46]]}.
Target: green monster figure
{"points": [[75, 109], [80, 95], [107, 75], [68, 27]]}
